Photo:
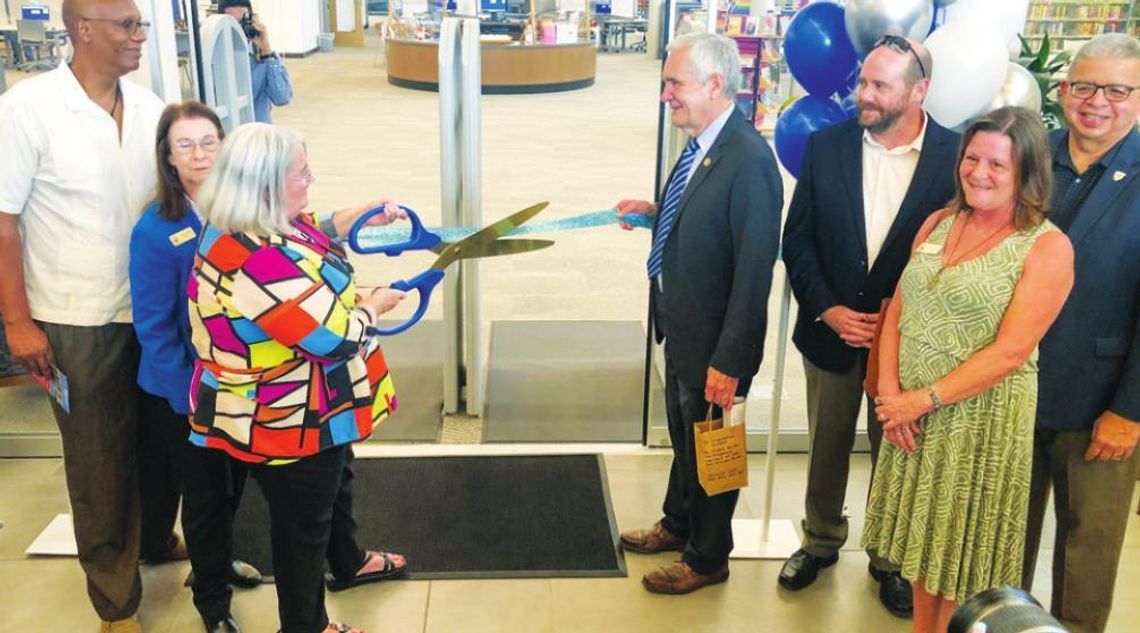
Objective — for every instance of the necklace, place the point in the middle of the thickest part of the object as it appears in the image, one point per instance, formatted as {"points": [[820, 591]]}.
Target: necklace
{"points": [[115, 103], [954, 261]]}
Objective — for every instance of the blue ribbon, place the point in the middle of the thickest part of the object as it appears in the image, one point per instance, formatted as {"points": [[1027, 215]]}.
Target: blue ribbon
{"points": [[380, 235]]}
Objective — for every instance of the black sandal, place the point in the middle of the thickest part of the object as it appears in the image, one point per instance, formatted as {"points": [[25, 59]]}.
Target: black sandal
{"points": [[390, 570]]}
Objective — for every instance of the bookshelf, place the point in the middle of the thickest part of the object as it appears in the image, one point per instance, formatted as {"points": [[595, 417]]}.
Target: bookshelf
{"points": [[1078, 20]]}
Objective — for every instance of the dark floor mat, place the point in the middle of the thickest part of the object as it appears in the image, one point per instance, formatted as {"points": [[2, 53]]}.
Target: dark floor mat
{"points": [[472, 517]]}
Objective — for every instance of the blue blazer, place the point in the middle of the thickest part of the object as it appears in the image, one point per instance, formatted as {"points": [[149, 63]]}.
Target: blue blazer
{"points": [[159, 271], [717, 263], [1090, 359], [825, 237]]}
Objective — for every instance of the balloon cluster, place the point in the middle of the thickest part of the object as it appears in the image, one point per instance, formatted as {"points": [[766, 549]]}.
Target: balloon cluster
{"points": [[971, 49]]}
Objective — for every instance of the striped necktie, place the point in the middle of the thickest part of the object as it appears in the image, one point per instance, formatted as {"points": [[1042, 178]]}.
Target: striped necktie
{"points": [[669, 209]]}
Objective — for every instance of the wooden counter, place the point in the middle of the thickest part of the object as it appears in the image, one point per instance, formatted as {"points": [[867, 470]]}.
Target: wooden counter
{"points": [[505, 69]]}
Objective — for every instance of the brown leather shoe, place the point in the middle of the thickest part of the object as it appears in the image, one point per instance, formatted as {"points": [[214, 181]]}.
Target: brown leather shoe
{"points": [[655, 539], [679, 578]]}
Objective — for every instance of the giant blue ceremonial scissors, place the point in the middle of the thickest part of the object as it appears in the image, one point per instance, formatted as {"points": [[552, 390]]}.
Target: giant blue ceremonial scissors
{"points": [[486, 242]]}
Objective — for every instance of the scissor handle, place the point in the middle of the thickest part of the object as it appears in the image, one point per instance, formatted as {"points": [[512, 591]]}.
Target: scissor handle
{"points": [[421, 238], [424, 283]]}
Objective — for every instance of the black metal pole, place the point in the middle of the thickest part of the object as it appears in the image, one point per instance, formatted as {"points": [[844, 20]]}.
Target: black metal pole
{"points": [[194, 27], [666, 36]]}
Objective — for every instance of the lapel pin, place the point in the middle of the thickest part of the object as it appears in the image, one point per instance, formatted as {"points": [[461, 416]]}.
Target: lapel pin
{"points": [[708, 161], [1118, 176]]}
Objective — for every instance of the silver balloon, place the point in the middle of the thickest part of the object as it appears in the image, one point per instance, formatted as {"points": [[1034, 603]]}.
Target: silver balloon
{"points": [[1020, 89], [869, 20]]}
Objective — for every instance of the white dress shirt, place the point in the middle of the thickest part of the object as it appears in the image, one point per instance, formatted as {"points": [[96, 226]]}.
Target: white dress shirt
{"points": [[886, 177], [706, 138], [78, 191]]}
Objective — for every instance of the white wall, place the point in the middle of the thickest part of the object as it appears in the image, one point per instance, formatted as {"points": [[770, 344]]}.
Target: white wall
{"points": [[293, 25]]}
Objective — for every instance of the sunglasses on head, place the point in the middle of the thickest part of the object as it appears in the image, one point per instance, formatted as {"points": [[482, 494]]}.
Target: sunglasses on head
{"points": [[900, 44]]}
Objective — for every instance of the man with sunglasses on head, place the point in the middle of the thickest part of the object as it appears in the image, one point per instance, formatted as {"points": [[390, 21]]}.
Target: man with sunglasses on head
{"points": [[267, 74], [77, 146], [865, 188], [1088, 411]]}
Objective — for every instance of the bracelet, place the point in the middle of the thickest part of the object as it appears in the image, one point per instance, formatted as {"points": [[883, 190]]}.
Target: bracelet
{"points": [[934, 398]]}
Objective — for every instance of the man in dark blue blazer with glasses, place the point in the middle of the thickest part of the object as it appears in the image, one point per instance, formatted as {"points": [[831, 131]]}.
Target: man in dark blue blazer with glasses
{"points": [[1088, 410]]}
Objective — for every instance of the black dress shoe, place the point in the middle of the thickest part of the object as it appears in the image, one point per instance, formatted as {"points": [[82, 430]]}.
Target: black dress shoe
{"points": [[894, 592], [225, 625], [243, 574], [802, 569]]}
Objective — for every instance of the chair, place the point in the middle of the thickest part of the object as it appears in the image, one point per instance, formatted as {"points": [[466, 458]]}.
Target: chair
{"points": [[39, 51]]}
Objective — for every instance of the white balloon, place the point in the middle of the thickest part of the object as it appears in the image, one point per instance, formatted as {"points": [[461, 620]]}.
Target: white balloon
{"points": [[1020, 89], [970, 66], [1007, 16]]}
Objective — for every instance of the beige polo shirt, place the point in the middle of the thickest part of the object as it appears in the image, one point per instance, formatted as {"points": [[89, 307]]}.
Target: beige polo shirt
{"points": [[78, 191]]}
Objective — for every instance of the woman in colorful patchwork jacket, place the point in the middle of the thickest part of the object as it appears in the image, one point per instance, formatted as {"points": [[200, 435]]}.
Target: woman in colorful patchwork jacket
{"points": [[287, 377]]}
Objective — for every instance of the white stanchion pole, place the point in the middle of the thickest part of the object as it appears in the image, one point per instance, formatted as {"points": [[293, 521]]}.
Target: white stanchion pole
{"points": [[766, 537]]}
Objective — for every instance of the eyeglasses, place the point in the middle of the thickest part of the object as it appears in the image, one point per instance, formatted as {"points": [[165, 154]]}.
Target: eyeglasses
{"points": [[1113, 92], [305, 176], [209, 145], [130, 25], [900, 44]]}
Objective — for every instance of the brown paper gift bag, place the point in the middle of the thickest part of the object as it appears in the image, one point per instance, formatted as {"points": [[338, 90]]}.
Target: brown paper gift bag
{"points": [[722, 455]]}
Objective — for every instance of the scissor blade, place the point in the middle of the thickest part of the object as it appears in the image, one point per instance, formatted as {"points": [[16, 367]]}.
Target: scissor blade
{"points": [[503, 247], [490, 233]]}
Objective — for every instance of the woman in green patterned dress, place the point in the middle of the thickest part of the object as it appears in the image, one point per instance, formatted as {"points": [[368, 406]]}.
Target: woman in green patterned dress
{"points": [[958, 372]]}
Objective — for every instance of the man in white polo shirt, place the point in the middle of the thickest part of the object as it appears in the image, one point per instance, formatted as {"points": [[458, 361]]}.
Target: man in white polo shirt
{"points": [[77, 145]]}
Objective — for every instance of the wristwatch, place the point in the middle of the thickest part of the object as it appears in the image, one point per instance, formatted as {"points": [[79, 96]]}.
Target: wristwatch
{"points": [[261, 57]]}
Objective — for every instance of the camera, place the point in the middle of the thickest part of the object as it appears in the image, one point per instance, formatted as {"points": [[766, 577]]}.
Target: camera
{"points": [[247, 27], [1004, 610]]}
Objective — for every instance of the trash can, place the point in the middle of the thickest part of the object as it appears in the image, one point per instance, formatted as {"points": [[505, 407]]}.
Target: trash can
{"points": [[325, 41]]}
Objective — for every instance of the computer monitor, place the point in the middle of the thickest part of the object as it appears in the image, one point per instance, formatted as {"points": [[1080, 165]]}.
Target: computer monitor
{"points": [[490, 6], [35, 12]]}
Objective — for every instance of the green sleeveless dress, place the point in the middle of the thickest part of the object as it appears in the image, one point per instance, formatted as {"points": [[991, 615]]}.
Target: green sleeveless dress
{"points": [[953, 513]]}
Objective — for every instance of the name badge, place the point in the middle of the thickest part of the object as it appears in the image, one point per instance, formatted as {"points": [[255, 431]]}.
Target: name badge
{"points": [[183, 236], [926, 248]]}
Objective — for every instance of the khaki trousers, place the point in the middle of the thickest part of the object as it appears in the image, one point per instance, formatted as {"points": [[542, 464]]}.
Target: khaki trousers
{"points": [[833, 402], [1092, 501]]}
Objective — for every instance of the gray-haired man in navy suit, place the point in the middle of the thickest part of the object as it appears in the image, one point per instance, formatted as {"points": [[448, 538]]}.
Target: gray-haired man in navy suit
{"points": [[715, 239]]}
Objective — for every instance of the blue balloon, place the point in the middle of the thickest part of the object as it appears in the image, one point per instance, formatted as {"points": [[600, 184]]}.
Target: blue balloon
{"points": [[850, 106], [803, 117], [818, 50], [851, 84]]}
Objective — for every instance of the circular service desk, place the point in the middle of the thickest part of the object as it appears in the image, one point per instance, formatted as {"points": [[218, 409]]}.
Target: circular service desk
{"points": [[506, 69]]}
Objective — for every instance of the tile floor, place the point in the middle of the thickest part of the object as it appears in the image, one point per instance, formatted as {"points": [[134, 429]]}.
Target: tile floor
{"points": [[48, 594]]}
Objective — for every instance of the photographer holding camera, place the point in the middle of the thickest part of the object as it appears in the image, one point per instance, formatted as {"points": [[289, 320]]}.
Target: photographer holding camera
{"points": [[270, 79]]}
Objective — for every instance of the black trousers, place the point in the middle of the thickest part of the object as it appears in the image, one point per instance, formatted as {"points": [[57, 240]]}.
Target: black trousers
{"points": [[344, 556], [210, 486], [159, 489], [705, 522], [302, 498]]}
